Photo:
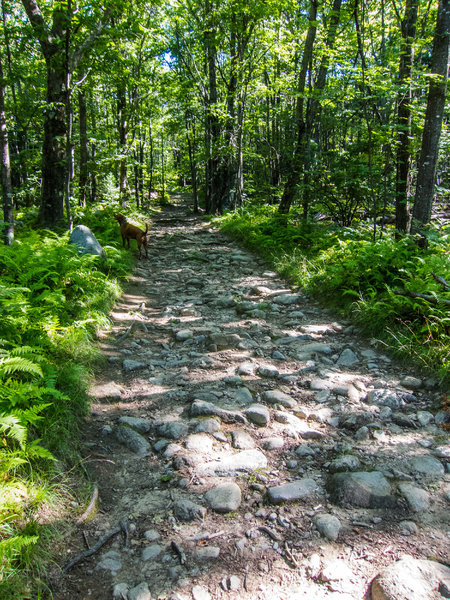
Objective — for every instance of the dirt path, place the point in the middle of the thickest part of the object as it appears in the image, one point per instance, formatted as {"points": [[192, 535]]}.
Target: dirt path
{"points": [[247, 445]]}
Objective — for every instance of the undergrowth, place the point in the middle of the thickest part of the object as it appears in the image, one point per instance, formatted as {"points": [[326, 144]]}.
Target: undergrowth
{"points": [[360, 278], [53, 302]]}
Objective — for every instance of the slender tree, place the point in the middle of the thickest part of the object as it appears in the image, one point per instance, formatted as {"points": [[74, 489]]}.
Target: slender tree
{"points": [[426, 172], [403, 162], [7, 191]]}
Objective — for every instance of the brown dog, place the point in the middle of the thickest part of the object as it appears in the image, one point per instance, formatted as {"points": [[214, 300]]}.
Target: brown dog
{"points": [[131, 232]]}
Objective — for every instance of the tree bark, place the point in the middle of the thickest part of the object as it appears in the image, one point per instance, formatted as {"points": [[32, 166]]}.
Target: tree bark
{"points": [[426, 174], [7, 192], [84, 149], [403, 162]]}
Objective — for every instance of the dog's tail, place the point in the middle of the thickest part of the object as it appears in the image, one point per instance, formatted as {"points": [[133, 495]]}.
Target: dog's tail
{"points": [[146, 228]]}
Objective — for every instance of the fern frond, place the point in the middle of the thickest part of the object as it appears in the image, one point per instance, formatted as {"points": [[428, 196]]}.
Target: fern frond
{"points": [[11, 426], [16, 364]]}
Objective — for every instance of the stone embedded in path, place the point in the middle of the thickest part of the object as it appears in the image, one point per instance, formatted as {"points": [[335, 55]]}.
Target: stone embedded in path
{"points": [[412, 579], [208, 426], [200, 593], [111, 561], [286, 299], [246, 369], [242, 440], [151, 552], [133, 440], [225, 340], [328, 526], [418, 499], [224, 498], [295, 490], [199, 442], [247, 460], [139, 592], [363, 489], [200, 408], [184, 334], [428, 466], [348, 358], [348, 462], [279, 397], [385, 397], [186, 510], [268, 371], [258, 414], [207, 552], [173, 430], [272, 443], [137, 423], [132, 365]]}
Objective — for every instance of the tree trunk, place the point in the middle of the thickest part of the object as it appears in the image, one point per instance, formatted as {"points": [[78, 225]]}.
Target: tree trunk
{"points": [[403, 162], [426, 174], [122, 127], [7, 192], [297, 159], [84, 149]]}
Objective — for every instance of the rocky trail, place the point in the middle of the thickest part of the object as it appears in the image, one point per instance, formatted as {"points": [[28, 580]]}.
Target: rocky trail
{"points": [[246, 444]]}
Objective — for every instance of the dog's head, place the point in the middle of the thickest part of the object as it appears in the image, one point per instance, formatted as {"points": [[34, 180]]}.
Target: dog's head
{"points": [[120, 219]]}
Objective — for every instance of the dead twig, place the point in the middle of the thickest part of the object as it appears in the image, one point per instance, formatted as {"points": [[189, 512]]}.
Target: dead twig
{"points": [[426, 297], [442, 281], [271, 533], [179, 550], [91, 506], [123, 526]]}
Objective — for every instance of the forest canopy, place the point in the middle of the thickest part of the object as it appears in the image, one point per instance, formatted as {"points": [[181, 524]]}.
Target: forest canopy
{"points": [[335, 107]]}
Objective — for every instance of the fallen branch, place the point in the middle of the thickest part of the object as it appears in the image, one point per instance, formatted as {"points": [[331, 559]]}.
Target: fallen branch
{"points": [[427, 297], [90, 507], [442, 281], [123, 526]]}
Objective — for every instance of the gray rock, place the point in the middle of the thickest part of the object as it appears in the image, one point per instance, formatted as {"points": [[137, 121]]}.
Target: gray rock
{"points": [[200, 408], [427, 466], [286, 299], [348, 462], [173, 430], [86, 241], [200, 593], [207, 552], [304, 450], [243, 396], [132, 365], [225, 340], [258, 414], [138, 424], [384, 397], [295, 490], [246, 369], [186, 510], [111, 561], [279, 397], [120, 591], [348, 358], [418, 499], [408, 528], [412, 383], [247, 460], [208, 426], [151, 552], [242, 440], [328, 526], [412, 579], [363, 489], [268, 371], [272, 443], [133, 440], [199, 442], [224, 498], [140, 592], [184, 334], [424, 418]]}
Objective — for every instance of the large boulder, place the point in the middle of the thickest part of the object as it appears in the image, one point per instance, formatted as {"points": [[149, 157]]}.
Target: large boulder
{"points": [[86, 241]]}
